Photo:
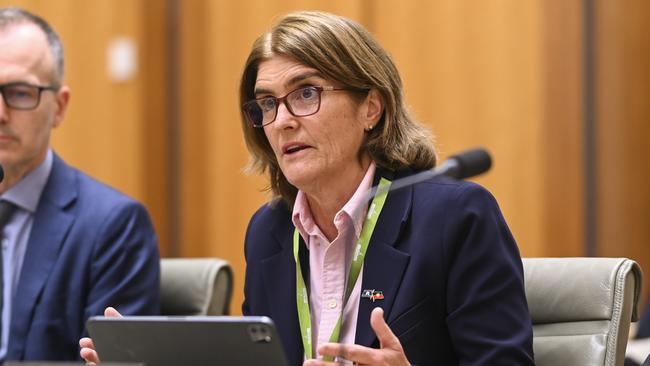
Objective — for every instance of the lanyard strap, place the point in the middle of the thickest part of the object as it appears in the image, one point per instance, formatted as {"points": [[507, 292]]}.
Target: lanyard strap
{"points": [[302, 297]]}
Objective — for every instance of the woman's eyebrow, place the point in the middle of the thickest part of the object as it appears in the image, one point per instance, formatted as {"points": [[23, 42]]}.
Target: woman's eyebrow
{"points": [[301, 77], [293, 81]]}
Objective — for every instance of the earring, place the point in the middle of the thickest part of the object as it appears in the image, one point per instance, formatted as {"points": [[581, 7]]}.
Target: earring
{"points": [[369, 128]]}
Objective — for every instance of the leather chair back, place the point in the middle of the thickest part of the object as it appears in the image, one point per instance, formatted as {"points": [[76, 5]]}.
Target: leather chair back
{"points": [[195, 286], [581, 308]]}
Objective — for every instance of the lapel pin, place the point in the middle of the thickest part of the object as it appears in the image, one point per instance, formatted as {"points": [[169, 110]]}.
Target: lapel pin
{"points": [[372, 295]]}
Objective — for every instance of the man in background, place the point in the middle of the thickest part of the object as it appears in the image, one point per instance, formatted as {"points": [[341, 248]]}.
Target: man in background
{"points": [[71, 246]]}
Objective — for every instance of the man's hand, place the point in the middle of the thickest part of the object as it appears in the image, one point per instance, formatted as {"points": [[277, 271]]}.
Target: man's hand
{"points": [[390, 350], [87, 346]]}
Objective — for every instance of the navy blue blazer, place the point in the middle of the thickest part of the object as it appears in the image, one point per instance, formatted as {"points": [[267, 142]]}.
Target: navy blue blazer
{"points": [[447, 264], [90, 247]]}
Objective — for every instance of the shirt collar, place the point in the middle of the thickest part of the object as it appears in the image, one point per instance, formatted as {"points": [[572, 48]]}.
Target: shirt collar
{"points": [[27, 192], [355, 208]]}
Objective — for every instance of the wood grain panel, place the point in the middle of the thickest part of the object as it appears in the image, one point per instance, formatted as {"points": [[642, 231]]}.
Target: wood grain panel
{"points": [[562, 129], [623, 127], [153, 121], [480, 74]]}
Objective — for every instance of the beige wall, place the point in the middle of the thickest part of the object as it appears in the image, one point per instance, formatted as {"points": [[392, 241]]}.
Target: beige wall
{"points": [[507, 75]]}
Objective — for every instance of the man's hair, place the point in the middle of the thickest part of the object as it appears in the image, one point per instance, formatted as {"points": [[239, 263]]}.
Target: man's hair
{"points": [[345, 52], [15, 16]]}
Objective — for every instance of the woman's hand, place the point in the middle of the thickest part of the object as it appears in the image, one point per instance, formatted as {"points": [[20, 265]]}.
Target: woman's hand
{"points": [[390, 351], [87, 351]]}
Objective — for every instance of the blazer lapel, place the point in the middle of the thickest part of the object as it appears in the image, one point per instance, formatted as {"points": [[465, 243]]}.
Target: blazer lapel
{"points": [[384, 265], [280, 282], [50, 227]]}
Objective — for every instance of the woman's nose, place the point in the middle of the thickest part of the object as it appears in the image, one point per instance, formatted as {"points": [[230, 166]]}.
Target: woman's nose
{"points": [[284, 118]]}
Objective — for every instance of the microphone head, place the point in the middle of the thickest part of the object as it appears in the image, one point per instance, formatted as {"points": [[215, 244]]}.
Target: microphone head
{"points": [[471, 162]]}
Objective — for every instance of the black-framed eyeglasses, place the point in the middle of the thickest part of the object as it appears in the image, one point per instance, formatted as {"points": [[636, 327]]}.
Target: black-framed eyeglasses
{"points": [[23, 96], [301, 102]]}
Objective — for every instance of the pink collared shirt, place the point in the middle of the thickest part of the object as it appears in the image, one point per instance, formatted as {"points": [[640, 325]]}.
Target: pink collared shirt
{"points": [[329, 264]]}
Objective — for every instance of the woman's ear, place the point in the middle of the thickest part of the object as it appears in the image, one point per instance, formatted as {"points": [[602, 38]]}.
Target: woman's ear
{"points": [[374, 108]]}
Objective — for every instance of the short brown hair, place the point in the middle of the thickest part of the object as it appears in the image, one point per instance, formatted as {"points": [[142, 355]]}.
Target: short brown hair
{"points": [[345, 52]]}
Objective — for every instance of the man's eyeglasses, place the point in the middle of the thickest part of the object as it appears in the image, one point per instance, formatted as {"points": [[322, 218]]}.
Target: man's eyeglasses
{"points": [[300, 103], [23, 96]]}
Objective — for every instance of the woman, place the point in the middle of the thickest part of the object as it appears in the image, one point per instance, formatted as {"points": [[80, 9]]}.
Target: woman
{"points": [[324, 117]]}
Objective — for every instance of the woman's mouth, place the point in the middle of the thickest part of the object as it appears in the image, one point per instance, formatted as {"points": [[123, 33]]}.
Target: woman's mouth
{"points": [[293, 148]]}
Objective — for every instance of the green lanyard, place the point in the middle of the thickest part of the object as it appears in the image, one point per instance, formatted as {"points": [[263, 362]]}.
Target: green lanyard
{"points": [[302, 297]]}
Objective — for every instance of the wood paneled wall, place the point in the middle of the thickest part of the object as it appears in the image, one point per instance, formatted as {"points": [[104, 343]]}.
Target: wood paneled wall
{"points": [[622, 78], [484, 74], [507, 75]]}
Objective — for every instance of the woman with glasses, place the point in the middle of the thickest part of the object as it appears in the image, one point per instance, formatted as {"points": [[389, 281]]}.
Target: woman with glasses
{"points": [[428, 274]]}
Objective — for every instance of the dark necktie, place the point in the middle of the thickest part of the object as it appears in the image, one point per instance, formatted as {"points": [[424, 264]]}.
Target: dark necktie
{"points": [[6, 210]]}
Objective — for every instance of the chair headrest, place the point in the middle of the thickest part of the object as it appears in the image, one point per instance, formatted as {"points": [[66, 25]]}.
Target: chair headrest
{"points": [[573, 289]]}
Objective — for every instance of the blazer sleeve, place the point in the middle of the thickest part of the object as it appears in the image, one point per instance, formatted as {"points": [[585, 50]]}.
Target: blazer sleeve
{"points": [[487, 312], [125, 272]]}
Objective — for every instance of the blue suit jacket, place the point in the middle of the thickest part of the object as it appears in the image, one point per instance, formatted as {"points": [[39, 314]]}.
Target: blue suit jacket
{"points": [[445, 260], [90, 247]]}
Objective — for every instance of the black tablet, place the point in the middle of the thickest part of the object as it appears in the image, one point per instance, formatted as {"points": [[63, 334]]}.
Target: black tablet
{"points": [[195, 340]]}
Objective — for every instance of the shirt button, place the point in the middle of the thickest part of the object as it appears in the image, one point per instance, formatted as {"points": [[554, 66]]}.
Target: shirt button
{"points": [[331, 303]]}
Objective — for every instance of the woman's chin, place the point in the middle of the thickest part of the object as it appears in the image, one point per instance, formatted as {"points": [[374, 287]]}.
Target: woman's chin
{"points": [[301, 178]]}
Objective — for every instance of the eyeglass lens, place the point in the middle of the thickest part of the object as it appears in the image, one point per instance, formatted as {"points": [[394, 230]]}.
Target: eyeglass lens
{"points": [[21, 96], [300, 102]]}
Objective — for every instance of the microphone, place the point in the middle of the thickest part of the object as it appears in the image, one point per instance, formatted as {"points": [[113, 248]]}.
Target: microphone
{"points": [[463, 165], [466, 164], [2, 174]]}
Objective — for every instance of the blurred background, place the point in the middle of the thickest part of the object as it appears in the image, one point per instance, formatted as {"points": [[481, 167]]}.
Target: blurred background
{"points": [[557, 90]]}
